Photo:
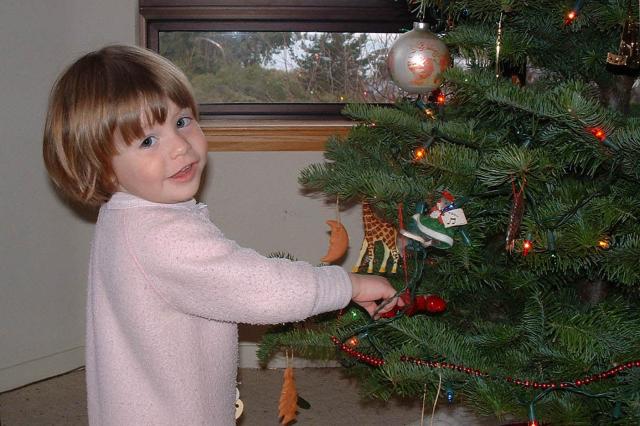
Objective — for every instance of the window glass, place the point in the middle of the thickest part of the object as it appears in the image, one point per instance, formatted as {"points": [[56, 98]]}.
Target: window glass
{"points": [[290, 59], [303, 67]]}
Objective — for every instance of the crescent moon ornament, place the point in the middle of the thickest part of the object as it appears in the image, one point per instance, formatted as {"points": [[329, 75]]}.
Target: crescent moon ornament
{"points": [[338, 242]]}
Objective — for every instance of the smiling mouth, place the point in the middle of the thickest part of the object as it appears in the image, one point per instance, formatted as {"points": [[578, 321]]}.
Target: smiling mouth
{"points": [[184, 173]]}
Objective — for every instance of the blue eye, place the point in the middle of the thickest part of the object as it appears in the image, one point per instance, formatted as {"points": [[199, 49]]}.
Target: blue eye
{"points": [[148, 142], [183, 122]]}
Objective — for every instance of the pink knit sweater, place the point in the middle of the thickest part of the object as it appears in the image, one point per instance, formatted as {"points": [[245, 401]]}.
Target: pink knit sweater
{"points": [[166, 291]]}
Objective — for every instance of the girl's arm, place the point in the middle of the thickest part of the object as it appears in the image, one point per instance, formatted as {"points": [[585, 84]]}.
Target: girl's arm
{"points": [[196, 270]]}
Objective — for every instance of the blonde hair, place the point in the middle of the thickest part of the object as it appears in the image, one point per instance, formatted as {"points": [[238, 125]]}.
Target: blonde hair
{"points": [[103, 92]]}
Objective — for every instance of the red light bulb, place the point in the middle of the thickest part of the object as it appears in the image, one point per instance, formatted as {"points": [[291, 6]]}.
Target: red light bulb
{"points": [[598, 132], [571, 16], [353, 341], [527, 245]]}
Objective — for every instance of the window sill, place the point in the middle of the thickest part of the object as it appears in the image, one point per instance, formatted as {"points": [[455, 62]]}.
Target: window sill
{"points": [[271, 135]]}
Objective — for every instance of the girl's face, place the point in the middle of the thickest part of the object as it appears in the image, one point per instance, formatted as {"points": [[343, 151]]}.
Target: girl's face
{"points": [[166, 165]]}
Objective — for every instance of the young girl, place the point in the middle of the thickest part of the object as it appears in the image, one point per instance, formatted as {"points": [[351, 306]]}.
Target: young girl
{"points": [[166, 288]]}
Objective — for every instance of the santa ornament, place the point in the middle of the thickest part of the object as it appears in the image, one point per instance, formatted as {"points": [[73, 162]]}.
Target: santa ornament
{"points": [[437, 227]]}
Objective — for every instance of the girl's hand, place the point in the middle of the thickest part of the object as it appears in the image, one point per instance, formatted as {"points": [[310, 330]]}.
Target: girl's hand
{"points": [[368, 289]]}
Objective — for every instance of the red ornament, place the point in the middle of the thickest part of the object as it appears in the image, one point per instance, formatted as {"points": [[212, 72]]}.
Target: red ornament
{"points": [[423, 303], [435, 304]]}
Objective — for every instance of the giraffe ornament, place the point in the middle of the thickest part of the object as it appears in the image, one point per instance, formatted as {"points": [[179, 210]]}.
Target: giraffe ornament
{"points": [[376, 229]]}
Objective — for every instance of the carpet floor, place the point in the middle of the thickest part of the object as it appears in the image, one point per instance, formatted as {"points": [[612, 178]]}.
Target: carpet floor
{"points": [[334, 400]]}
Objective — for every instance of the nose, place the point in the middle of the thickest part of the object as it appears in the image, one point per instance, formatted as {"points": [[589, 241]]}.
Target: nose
{"points": [[179, 145]]}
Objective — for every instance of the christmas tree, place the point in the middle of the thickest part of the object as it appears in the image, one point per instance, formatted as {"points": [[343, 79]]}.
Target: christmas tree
{"points": [[515, 186]]}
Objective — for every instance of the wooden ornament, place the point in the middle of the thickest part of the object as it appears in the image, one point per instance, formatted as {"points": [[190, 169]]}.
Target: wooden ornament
{"points": [[288, 398], [239, 405], [376, 229], [338, 242]]}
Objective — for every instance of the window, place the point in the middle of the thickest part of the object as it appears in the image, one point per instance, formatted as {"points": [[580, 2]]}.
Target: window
{"points": [[293, 60], [282, 67]]}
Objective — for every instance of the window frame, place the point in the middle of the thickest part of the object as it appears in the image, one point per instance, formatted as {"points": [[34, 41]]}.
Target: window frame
{"points": [[270, 15], [270, 127]]}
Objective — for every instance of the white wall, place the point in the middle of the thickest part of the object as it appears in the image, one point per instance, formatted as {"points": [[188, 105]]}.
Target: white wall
{"points": [[256, 200], [254, 197], [43, 244]]}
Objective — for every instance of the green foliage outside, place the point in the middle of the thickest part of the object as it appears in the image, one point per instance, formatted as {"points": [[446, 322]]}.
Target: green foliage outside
{"points": [[569, 309], [270, 67]]}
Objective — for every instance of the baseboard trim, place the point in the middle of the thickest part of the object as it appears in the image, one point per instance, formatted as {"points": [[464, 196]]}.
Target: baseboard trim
{"points": [[248, 359], [24, 373]]}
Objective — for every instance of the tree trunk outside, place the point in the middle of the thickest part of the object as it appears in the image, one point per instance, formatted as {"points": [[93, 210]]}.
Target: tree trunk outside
{"points": [[618, 94], [593, 292]]}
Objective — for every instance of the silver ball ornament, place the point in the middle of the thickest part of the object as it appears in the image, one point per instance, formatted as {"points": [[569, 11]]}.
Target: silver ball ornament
{"points": [[417, 59]]}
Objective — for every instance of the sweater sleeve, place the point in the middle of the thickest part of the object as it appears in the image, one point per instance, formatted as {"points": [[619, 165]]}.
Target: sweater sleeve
{"points": [[191, 265]]}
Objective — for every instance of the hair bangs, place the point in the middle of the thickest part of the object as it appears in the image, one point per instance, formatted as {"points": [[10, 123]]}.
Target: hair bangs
{"points": [[148, 105], [139, 113]]}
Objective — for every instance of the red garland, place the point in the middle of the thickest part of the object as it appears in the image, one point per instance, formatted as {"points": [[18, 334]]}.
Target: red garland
{"points": [[378, 362]]}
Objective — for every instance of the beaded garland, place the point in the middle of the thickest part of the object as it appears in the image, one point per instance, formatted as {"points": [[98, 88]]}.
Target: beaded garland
{"points": [[368, 359], [378, 362]]}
